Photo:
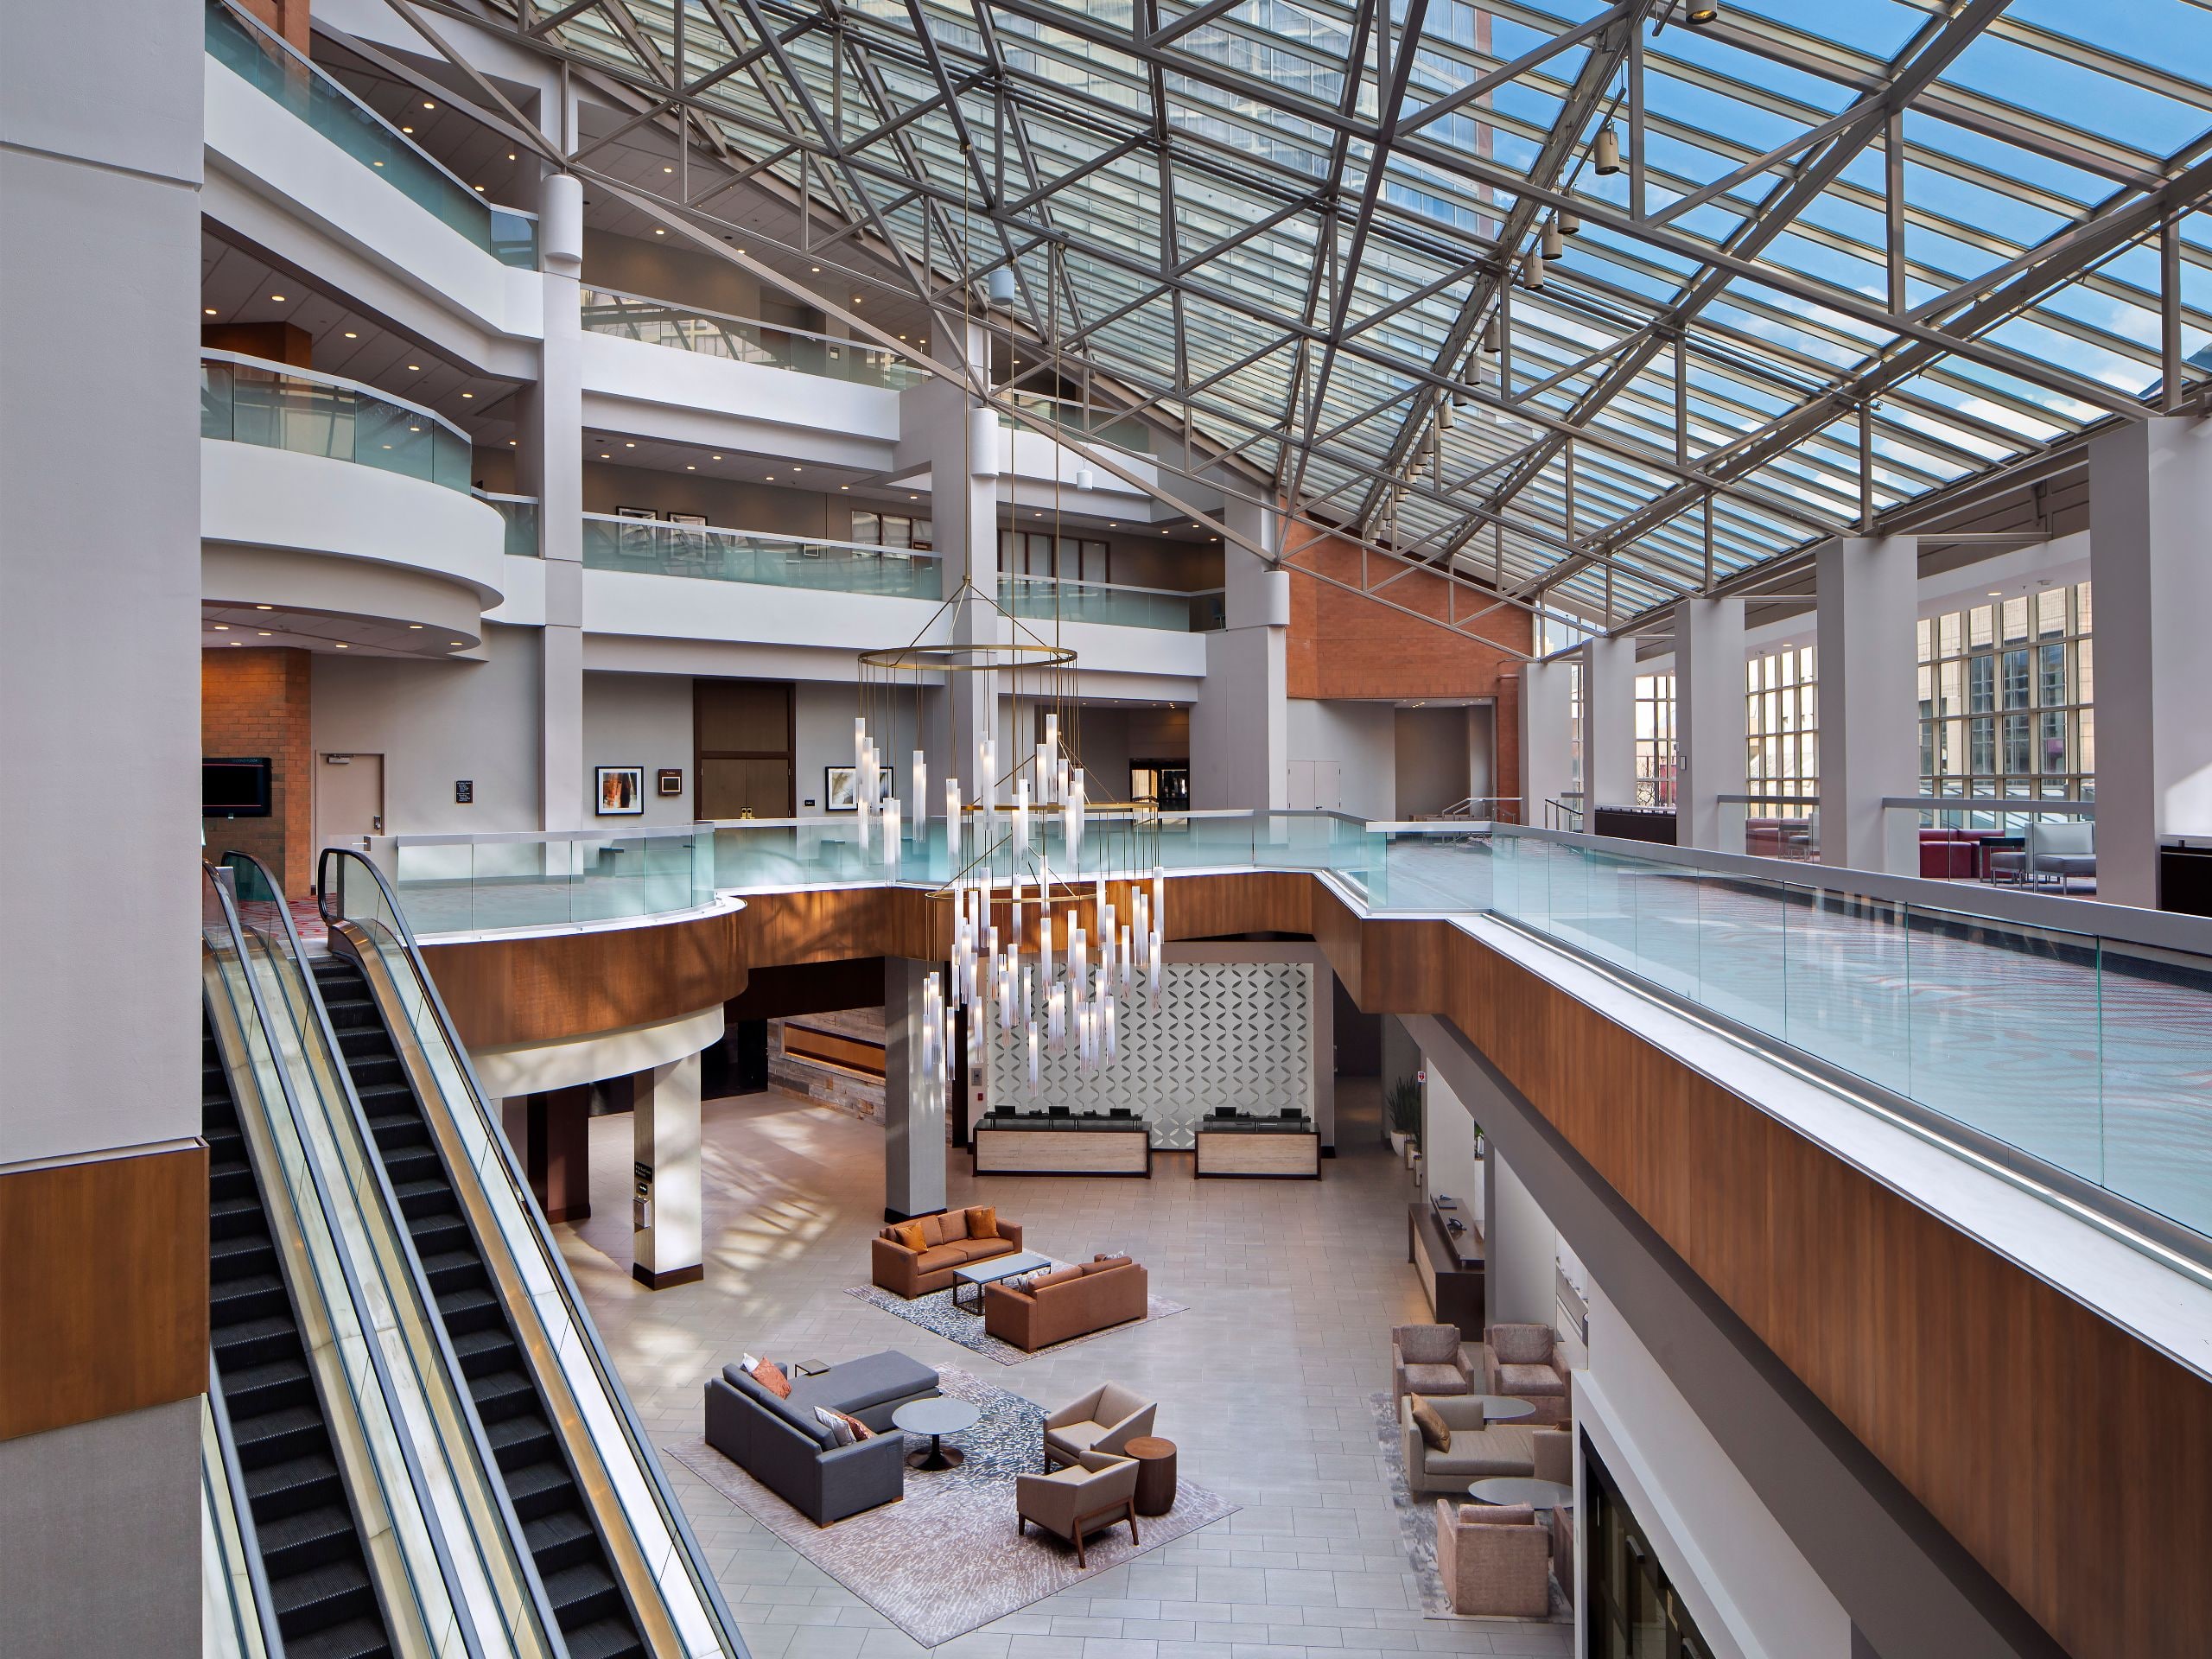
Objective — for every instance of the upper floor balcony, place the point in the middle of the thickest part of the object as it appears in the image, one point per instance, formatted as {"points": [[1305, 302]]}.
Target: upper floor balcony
{"points": [[320, 494]]}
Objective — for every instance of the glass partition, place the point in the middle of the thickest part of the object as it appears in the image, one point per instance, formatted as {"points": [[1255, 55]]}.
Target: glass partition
{"points": [[519, 514], [1048, 598], [459, 883], [741, 339], [652, 547], [246, 400], [271, 66], [648, 1541]]}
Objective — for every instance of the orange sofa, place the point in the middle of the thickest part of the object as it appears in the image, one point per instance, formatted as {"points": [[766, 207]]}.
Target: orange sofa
{"points": [[946, 1243], [1071, 1301]]}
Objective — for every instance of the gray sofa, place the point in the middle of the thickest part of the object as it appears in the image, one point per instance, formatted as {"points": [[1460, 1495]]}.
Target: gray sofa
{"points": [[780, 1443]]}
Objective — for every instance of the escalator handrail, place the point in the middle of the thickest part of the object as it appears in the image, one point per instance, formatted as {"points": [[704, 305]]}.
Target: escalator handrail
{"points": [[426, 1300], [642, 1449], [416, 1481], [265, 1602]]}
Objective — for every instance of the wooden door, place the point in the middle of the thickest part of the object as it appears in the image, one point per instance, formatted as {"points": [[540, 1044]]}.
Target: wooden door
{"points": [[742, 748]]}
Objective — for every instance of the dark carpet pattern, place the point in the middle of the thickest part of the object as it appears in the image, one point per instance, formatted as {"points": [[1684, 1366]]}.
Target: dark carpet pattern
{"points": [[935, 1312]]}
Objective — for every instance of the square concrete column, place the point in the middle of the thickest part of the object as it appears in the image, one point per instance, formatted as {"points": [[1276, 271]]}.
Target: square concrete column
{"points": [[913, 1103], [1608, 724], [665, 1129], [1240, 729], [1709, 737], [550, 465], [2150, 500], [961, 440], [1868, 710], [1546, 736]]}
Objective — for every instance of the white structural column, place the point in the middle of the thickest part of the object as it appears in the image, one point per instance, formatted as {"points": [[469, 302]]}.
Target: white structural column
{"points": [[1546, 736], [913, 1114], [1709, 723], [101, 141], [665, 1129], [1520, 1247], [552, 454], [1868, 709], [960, 439], [2150, 502], [1240, 727], [1608, 724]]}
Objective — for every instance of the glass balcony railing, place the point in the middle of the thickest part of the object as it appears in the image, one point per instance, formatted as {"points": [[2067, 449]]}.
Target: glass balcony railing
{"points": [[460, 883], [653, 547], [1045, 598], [659, 322], [1092, 425], [269, 64], [247, 400], [519, 514]]}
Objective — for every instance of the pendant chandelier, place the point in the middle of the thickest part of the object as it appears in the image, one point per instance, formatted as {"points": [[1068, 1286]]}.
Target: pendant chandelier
{"points": [[1059, 904]]}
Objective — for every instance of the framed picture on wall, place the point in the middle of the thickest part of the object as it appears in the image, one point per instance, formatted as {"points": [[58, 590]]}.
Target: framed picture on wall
{"points": [[840, 787], [635, 512], [698, 518], [621, 792], [670, 780]]}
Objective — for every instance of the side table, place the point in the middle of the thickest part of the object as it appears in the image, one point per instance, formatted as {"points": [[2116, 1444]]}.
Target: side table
{"points": [[1155, 1461]]}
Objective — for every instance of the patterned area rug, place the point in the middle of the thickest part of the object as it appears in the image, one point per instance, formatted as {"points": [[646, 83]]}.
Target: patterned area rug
{"points": [[947, 1559], [935, 1312], [1417, 1528]]}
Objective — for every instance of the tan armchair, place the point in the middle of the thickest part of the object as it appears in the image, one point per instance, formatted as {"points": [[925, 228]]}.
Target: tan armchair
{"points": [[1524, 1361], [1427, 1359], [1106, 1420], [1100, 1491], [1494, 1558]]}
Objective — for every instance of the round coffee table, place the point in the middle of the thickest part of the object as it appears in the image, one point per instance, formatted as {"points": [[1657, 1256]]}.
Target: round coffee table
{"points": [[1521, 1489], [1155, 1461], [1504, 1408], [936, 1418]]}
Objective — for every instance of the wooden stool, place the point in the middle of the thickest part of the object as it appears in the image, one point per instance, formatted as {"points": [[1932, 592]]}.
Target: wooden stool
{"points": [[1155, 1474]]}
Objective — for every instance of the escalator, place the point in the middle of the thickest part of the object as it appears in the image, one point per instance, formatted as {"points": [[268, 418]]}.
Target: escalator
{"points": [[581, 1588], [309, 1540]]}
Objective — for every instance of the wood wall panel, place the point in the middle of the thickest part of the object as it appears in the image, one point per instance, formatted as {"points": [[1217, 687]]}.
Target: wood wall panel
{"points": [[103, 1288], [562, 985]]}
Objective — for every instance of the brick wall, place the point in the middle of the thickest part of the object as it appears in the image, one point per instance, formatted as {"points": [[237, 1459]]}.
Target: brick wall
{"points": [[255, 701], [1344, 645]]}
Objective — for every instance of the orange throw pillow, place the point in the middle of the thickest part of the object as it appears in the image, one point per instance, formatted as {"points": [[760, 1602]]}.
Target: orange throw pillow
{"points": [[769, 1376], [984, 1222], [860, 1430], [909, 1233]]}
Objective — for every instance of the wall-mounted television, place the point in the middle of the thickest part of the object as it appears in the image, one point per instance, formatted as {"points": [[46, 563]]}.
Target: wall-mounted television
{"points": [[234, 786]]}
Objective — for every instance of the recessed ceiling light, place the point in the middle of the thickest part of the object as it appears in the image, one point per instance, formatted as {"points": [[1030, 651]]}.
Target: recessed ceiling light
{"points": [[772, 477], [209, 309], [668, 169], [222, 627], [279, 298], [796, 467], [237, 643], [717, 457], [415, 628], [428, 104], [479, 189], [913, 498], [263, 633], [856, 299], [414, 368], [629, 444], [341, 645], [350, 334], [511, 154], [264, 607], [844, 487], [511, 442], [688, 468], [605, 456], [1995, 594], [469, 394], [463, 643], [816, 270], [407, 129], [657, 231]]}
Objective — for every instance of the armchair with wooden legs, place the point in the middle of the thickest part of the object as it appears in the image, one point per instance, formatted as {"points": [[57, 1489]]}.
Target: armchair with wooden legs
{"points": [[1099, 1491], [1105, 1419]]}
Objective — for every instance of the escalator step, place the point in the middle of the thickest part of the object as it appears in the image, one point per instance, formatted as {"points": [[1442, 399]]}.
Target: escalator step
{"points": [[471, 1308], [252, 1388], [440, 1233], [560, 1538], [240, 1253], [255, 1341], [294, 1543], [274, 1436], [517, 1440], [235, 1217], [409, 1165], [394, 1130], [451, 1270], [352, 1638], [323, 1596], [538, 1489], [581, 1594], [501, 1394], [423, 1197], [297, 1484], [604, 1638], [483, 1351], [246, 1296]]}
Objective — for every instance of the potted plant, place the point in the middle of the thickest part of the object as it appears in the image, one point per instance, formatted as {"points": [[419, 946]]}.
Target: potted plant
{"points": [[1401, 1113]]}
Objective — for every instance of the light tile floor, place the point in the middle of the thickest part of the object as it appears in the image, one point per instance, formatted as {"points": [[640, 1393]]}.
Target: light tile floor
{"points": [[1263, 1384]]}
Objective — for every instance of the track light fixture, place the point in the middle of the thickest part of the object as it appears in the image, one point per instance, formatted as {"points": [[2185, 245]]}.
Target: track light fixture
{"points": [[1569, 223], [1493, 337], [1606, 157], [1532, 270], [1554, 248], [1699, 14]]}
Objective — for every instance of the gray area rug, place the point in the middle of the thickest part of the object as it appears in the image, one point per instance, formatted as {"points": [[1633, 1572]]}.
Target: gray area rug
{"points": [[1417, 1528], [935, 1312], [946, 1559]]}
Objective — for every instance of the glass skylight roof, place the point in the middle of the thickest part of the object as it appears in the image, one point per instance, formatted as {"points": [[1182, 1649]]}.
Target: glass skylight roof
{"points": [[1194, 213]]}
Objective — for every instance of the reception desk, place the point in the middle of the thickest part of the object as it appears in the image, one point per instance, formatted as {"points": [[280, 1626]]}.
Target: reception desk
{"points": [[1282, 1148], [1032, 1144]]}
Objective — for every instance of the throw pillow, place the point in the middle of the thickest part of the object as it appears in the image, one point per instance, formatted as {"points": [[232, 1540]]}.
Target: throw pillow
{"points": [[1057, 1276], [1106, 1263], [983, 1221], [769, 1376], [909, 1233], [1435, 1432], [860, 1430], [839, 1424], [746, 1362]]}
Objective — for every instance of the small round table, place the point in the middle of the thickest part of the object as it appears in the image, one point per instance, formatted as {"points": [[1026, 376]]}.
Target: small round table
{"points": [[1521, 1489], [1504, 1408], [936, 1418], [1155, 1461]]}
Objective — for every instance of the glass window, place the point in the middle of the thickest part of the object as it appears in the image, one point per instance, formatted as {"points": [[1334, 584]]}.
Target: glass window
{"points": [[1655, 758], [2029, 730], [2016, 679]]}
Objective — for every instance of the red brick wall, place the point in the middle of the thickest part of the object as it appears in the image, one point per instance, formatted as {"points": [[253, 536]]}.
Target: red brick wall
{"points": [[1345, 645], [257, 702], [287, 17]]}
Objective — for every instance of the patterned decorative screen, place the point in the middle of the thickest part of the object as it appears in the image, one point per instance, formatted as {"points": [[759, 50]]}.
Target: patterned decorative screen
{"points": [[1228, 1034]]}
